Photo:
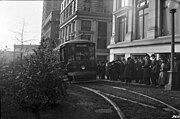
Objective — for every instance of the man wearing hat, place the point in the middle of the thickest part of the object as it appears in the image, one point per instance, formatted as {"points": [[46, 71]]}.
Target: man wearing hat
{"points": [[154, 70], [147, 74]]}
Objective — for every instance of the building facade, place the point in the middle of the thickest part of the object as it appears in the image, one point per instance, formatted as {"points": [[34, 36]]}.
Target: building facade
{"points": [[142, 26], [50, 20], [25, 50], [89, 20]]}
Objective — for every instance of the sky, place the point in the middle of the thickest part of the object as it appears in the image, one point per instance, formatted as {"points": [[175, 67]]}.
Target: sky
{"points": [[12, 15]]}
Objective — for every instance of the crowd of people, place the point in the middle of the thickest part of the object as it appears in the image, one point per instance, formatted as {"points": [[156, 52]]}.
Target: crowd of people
{"points": [[144, 70]]}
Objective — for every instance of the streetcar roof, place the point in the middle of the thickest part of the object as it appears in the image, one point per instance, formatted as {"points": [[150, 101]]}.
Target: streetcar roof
{"points": [[72, 42]]}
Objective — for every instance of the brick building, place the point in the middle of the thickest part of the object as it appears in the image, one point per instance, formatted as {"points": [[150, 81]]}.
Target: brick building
{"points": [[89, 20], [142, 26]]}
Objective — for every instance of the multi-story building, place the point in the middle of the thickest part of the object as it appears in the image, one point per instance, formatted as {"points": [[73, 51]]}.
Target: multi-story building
{"points": [[6, 57], [50, 20], [142, 26], [89, 20]]}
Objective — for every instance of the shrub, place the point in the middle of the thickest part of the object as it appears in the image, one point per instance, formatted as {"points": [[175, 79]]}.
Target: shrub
{"points": [[37, 81]]}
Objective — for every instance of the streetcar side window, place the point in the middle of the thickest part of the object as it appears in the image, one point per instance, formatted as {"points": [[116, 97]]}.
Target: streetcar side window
{"points": [[91, 52], [62, 50], [71, 50]]}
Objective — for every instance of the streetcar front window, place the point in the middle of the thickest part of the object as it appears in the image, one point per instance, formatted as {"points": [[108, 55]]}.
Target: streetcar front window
{"points": [[82, 52]]}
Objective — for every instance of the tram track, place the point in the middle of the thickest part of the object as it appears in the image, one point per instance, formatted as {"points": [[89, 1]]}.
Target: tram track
{"points": [[169, 106], [119, 112], [145, 102]]}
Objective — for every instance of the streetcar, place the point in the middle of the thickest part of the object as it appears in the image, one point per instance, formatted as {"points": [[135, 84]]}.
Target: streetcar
{"points": [[79, 59]]}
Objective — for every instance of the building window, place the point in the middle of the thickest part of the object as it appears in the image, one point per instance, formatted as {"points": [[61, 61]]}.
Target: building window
{"points": [[73, 26], [165, 19], [67, 11], [122, 28], [85, 25], [142, 19], [74, 6], [102, 35], [101, 6], [87, 5], [69, 29], [86, 37], [70, 10]]}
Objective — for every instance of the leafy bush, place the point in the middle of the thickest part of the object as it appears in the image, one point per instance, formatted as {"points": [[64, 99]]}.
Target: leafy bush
{"points": [[37, 81]]}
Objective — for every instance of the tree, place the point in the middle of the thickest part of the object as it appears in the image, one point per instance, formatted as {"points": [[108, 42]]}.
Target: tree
{"points": [[20, 39]]}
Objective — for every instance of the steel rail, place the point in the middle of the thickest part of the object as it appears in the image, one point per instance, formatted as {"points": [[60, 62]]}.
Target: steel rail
{"points": [[119, 112], [169, 106]]}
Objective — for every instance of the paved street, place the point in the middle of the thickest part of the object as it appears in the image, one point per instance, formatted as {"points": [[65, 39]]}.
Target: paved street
{"points": [[138, 101]]}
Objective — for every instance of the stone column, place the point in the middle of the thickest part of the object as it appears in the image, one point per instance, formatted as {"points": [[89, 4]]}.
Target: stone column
{"points": [[113, 23], [111, 57], [127, 55], [109, 31], [113, 36]]}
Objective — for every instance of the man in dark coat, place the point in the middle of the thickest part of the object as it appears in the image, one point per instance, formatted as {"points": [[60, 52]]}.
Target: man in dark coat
{"points": [[147, 74], [99, 70], [112, 70], [154, 70], [102, 70], [129, 70], [139, 69]]}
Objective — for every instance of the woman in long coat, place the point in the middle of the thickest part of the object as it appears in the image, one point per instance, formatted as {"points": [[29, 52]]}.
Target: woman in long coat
{"points": [[163, 75]]}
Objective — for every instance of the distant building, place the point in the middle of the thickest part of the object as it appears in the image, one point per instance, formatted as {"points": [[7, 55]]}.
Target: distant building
{"points": [[89, 20], [25, 50], [142, 26], [50, 20], [6, 57]]}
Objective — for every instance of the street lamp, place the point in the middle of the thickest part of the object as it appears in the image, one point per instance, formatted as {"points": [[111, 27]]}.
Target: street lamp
{"points": [[172, 5]]}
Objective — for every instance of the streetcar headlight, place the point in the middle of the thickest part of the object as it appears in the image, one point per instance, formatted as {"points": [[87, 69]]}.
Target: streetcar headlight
{"points": [[83, 67]]}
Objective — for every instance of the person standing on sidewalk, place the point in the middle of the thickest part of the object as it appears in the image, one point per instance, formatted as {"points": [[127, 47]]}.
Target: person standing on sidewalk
{"points": [[129, 70], [147, 73], [107, 70], [139, 69], [154, 70], [177, 70], [163, 75]]}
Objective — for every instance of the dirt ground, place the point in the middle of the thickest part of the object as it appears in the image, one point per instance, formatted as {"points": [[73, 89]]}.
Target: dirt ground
{"points": [[80, 104]]}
